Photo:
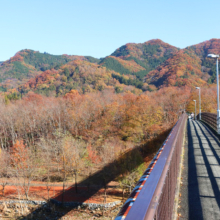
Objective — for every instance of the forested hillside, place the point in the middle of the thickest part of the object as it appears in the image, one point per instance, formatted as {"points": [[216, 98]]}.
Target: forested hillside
{"points": [[27, 64], [79, 75], [46, 138], [133, 67], [139, 59], [202, 50], [183, 68]]}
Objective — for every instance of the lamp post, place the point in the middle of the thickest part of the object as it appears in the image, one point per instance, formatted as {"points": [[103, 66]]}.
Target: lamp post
{"points": [[195, 108], [217, 80], [199, 102]]}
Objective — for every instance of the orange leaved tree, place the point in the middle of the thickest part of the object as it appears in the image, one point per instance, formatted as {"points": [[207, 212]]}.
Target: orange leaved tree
{"points": [[24, 166]]}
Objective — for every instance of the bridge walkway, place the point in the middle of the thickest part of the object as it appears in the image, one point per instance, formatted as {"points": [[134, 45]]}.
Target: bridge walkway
{"points": [[200, 188]]}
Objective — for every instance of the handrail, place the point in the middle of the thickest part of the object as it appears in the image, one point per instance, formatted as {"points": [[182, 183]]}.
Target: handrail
{"points": [[210, 119], [153, 196]]}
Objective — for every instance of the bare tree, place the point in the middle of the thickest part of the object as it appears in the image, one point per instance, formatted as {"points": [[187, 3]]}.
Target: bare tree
{"points": [[73, 154], [4, 169]]}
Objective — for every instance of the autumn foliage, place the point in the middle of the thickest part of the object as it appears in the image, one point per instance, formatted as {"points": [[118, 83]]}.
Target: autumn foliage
{"points": [[65, 116], [132, 67], [180, 70], [19, 154]]}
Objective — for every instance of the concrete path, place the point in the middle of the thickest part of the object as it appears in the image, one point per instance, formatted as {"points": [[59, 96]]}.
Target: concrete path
{"points": [[200, 189]]}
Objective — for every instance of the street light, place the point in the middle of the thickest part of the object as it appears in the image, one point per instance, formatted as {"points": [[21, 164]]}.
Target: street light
{"points": [[217, 80], [195, 108], [199, 103]]}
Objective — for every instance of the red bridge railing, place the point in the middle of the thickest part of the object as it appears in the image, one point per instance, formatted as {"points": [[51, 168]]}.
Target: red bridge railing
{"points": [[153, 196]]}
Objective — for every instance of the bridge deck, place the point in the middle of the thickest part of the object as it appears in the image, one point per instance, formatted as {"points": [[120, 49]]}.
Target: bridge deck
{"points": [[200, 190]]}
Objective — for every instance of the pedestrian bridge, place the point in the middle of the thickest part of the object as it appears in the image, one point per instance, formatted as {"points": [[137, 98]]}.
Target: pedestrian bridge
{"points": [[183, 179]]}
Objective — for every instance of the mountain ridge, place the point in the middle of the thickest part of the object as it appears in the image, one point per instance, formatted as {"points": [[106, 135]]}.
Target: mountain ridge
{"points": [[143, 66]]}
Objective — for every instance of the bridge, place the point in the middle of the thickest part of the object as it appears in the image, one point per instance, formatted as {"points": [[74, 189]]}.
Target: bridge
{"points": [[183, 179]]}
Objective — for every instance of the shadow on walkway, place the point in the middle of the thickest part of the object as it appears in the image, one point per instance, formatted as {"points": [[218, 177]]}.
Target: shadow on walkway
{"points": [[212, 177], [195, 207], [203, 191]]}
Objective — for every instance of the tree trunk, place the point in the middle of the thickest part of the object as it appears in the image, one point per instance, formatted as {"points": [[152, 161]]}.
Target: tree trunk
{"points": [[76, 189], [123, 193], [64, 179], [88, 183], [105, 196], [3, 190]]}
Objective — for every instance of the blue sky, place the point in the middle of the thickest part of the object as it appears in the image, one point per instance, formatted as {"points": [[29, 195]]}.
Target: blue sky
{"points": [[98, 27]]}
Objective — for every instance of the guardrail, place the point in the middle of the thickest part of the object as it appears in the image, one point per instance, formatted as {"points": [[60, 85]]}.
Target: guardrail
{"points": [[153, 196], [210, 119]]}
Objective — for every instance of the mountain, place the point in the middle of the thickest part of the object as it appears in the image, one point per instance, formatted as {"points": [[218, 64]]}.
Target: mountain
{"points": [[27, 64], [189, 66], [206, 47], [132, 67], [182, 69], [80, 75], [139, 59], [202, 50]]}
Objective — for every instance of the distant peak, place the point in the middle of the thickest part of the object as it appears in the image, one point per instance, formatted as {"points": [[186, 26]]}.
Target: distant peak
{"points": [[158, 42], [155, 41], [207, 42]]}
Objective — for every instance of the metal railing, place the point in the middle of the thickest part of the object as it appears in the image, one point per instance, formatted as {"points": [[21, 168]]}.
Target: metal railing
{"points": [[153, 196], [210, 119]]}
